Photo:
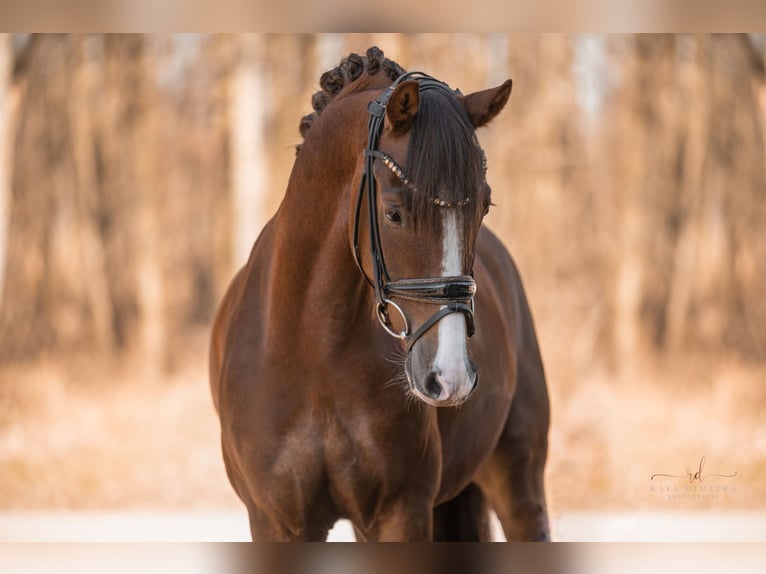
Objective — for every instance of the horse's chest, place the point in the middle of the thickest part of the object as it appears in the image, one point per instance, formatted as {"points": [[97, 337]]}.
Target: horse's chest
{"points": [[469, 436], [369, 459]]}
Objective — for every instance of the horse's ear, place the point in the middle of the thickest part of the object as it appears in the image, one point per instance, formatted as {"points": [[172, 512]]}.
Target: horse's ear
{"points": [[482, 107], [402, 107]]}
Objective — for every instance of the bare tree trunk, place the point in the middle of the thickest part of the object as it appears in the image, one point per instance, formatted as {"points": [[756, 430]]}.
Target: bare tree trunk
{"points": [[329, 50], [497, 59], [248, 145], [628, 298], [151, 293], [626, 177], [91, 248], [5, 150], [130, 199], [694, 107]]}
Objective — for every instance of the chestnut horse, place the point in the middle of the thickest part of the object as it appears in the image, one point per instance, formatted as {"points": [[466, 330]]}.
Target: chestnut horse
{"points": [[342, 363]]}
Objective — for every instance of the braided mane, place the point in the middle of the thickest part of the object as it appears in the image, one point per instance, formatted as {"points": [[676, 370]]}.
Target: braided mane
{"points": [[354, 73]]}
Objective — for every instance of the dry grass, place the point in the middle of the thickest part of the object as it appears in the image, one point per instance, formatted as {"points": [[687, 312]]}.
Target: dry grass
{"points": [[611, 434], [84, 436], [90, 435]]}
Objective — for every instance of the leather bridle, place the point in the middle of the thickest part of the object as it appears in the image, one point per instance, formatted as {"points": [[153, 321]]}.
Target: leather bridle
{"points": [[454, 294]]}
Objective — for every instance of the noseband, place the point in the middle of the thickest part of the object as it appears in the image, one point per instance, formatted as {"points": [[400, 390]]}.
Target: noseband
{"points": [[454, 294]]}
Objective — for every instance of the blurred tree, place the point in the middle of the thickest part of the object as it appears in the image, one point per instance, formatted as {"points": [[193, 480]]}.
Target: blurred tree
{"points": [[250, 109], [119, 169], [5, 155], [38, 194], [86, 238]]}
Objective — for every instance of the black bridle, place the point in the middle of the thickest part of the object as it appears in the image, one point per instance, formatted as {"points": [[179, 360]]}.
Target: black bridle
{"points": [[454, 294]]}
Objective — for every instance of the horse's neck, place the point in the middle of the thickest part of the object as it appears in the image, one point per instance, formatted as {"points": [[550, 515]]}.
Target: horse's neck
{"points": [[314, 281]]}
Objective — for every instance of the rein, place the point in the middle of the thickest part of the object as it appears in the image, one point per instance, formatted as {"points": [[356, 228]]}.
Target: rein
{"points": [[455, 293]]}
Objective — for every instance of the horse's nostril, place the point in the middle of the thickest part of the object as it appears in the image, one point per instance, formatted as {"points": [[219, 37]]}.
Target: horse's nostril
{"points": [[473, 374], [433, 387]]}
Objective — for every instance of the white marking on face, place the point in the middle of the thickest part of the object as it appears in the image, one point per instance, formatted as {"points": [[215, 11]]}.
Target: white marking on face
{"points": [[452, 355]]}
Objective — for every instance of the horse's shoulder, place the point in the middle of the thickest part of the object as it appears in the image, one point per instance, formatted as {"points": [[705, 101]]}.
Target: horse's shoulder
{"points": [[497, 266], [493, 254], [502, 270]]}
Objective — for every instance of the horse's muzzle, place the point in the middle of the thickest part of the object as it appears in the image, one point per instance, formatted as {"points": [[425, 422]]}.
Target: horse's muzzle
{"points": [[444, 390]]}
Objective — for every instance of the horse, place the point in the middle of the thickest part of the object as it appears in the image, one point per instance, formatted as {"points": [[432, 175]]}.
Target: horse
{"points": [[345, 355]]}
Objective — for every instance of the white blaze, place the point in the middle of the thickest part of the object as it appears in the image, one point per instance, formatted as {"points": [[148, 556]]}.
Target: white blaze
{"points": [[451, 355]]}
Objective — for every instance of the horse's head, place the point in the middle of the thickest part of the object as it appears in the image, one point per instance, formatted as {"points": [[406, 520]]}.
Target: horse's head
{"points": [[430, 195]]}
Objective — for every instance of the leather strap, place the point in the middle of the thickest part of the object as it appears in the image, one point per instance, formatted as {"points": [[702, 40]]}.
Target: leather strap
{"points": [[454, 307]]}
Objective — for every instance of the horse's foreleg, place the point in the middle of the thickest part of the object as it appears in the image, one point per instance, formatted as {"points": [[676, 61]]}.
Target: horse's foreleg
{"points": [[512, 479], [514, 486], [264, 529], [261, 528], [403, 522], [465, 518]]}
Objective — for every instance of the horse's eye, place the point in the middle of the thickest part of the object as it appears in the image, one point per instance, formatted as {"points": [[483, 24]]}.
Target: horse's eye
{"points": [[393, 216]]}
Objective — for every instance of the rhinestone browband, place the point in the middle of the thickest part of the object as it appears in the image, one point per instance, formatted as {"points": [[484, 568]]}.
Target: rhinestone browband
{"points": [[399, 173]]}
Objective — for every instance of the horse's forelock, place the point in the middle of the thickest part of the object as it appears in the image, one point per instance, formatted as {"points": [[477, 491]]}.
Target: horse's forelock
{"points": [[444, 161]]}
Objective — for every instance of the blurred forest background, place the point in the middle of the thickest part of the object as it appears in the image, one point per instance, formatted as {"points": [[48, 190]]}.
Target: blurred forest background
{"points": [[136, 171]]}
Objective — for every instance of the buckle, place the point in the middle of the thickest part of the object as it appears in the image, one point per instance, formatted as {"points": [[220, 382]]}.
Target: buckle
{"points": [[381, 310], [376, 108], [436, 290]]}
